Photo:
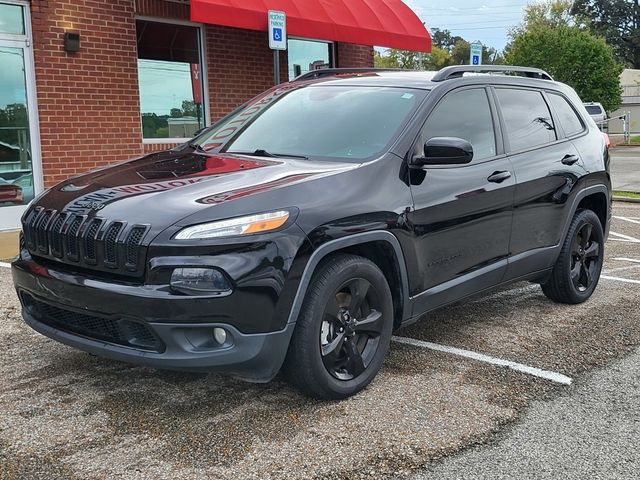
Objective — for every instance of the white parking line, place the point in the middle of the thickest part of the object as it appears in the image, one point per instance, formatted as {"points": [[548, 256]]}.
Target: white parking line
{"points": [[618, 279], [623, 238], [5, 265], [625, 259], [519, 367], [627, 219]]}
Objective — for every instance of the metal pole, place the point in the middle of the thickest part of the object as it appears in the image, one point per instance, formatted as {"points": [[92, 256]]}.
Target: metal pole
{"points": [[276, 67]]}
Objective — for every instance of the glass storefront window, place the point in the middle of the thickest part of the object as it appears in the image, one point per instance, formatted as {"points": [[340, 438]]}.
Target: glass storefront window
{"points": [[16, 169], [307, 55], [11, 19], [169, 75]]}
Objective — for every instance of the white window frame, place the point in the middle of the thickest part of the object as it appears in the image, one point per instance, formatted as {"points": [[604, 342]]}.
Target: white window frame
{"points": [[204, 72], [26, 42]]}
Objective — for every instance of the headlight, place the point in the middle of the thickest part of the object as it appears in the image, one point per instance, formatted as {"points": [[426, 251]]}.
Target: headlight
{"points": [[261, 223]]}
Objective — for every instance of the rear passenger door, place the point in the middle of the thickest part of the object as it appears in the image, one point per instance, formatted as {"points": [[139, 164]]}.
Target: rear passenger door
{"points": [[462, 213], [547, 167]]}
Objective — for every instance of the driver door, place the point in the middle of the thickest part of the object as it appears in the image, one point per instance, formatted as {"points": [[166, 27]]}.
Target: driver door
{"points": [[462, 214]]}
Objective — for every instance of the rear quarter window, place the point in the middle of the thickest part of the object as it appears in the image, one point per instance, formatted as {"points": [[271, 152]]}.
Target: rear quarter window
{"points": [[567, 116], [527, 118], [594, 110]]}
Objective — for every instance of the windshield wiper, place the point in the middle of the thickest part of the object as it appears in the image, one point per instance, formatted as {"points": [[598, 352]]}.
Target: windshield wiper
{"points": [[263, 153]]}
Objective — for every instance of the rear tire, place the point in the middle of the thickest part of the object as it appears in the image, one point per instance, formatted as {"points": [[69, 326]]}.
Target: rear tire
{"points": [[577, 270], [344, 329]]}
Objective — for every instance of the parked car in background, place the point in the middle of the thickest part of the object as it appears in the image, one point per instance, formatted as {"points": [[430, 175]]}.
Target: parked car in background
{"points": [[597, 112], [303, 228], [25, 182], [10, 193]]}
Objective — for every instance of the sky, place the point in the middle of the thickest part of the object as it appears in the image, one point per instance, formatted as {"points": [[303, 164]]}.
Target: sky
{"points": [[485, 20]]}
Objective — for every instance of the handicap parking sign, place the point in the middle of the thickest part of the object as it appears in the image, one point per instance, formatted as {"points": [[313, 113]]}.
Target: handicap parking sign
{"points": [[476, 60], [277, 30]]}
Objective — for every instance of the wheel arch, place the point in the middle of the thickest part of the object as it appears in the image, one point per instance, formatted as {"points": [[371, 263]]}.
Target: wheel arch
{"points": [[596, 201], [383, 249]]}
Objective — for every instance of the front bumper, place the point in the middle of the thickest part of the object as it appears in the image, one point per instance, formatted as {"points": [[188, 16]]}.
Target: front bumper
{"points": [[183, 336]]}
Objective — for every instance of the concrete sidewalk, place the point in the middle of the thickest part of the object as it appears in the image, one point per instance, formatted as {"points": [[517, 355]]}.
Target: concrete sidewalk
{"points": [[8, 244], [625, 169]]}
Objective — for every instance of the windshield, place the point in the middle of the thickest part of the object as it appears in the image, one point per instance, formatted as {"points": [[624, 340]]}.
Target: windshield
{"points": [[318, 121], [594, 109]]}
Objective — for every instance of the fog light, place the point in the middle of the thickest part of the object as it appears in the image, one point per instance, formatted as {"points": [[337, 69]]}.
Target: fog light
{"points": [[199, 281], [220, 334]]}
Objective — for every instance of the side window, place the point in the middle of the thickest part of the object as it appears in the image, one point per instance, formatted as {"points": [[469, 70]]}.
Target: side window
{"points": [[567, 116], [465, 114], [527, 118]]}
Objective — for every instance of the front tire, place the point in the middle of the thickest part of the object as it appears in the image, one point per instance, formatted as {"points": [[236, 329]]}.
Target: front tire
{"points": [[344, 329], [577, 270]]}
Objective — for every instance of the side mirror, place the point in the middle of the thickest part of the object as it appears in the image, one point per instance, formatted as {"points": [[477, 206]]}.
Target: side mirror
{"points": [[444, 151]]}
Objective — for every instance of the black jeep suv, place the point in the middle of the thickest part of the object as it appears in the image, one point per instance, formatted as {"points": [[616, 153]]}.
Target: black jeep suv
{"points": [[299, 231]]}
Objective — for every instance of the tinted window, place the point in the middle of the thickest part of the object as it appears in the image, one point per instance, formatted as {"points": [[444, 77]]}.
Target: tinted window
{"points": [[467, 115], [567, 116], [527, 118], [318, 121], [594, 110]]}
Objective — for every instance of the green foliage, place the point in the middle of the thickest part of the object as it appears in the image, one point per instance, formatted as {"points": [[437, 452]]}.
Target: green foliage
{"points": [[552, 13], [618, 21], [573, 56], [461, 53], [447, 50], [444, 39], [153, 124]]}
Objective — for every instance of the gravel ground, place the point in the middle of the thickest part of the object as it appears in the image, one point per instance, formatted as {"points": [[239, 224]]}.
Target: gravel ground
{"points": [[66, 414]]}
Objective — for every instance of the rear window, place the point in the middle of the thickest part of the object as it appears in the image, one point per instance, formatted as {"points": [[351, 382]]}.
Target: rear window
{"points": [[527, 118], [567, 116], [594, 110]]}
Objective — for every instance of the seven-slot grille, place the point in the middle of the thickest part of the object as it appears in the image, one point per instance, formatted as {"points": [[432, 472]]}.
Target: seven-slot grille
{"points": [[88, 242]]}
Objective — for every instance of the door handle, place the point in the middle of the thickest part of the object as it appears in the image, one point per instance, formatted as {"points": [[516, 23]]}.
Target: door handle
{"points": [[570, 159], [499, 177]]}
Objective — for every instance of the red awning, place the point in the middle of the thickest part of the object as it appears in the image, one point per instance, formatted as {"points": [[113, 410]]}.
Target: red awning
{"points": [[385, 23]]}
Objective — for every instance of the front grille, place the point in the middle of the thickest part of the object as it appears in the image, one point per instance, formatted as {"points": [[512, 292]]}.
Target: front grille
{"points": [[123, 332], [92, 243]]}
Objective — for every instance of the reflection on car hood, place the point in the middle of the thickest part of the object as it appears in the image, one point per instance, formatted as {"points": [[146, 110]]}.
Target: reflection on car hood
{"points": [[175, 184]]}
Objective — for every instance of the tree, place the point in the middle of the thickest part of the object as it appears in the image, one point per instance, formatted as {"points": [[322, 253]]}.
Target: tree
{"points": [[618, 21], [462, 52], [552, 13], [573, 56], [410, 60], [444, 39]]}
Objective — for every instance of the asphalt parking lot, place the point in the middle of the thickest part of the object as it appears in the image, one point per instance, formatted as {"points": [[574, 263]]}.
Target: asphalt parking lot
{"points": [[66, 414]]}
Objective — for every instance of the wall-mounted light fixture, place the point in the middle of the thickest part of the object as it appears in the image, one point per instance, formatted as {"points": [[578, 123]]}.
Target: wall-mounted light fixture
{"points": [[71, 41]]}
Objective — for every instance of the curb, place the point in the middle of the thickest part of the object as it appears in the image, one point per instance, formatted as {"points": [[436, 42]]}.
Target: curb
{"points": [[626, 199]]}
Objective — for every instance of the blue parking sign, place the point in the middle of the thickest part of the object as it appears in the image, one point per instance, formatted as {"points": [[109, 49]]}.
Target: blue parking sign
{"points": [[476, 60], [277, 34]]}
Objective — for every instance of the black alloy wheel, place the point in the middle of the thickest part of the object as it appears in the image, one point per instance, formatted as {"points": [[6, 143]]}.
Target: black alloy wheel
{"points": [[586, 260], [351, 328], [576, 272], [344, 329]]}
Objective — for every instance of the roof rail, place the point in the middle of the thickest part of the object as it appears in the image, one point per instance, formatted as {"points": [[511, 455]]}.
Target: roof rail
{"points": [[458, 71], [326, 72]]}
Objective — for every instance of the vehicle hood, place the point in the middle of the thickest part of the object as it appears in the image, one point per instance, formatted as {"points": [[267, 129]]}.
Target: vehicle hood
{"points": [[164, 188]]}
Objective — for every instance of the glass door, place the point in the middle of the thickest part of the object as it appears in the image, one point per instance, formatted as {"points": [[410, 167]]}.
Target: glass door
{"points": [[19, 160]]}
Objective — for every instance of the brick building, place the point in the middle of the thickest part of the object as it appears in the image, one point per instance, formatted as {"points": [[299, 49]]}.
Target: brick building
{"points": [[84, 83]]}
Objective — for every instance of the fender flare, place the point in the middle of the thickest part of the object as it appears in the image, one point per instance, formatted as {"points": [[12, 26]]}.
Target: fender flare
{"points": [[581, 195], [334, 245]]}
